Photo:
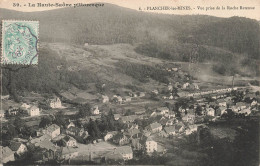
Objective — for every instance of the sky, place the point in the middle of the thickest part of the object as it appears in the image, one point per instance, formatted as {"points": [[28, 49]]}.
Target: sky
{"points": [[136, 4]]}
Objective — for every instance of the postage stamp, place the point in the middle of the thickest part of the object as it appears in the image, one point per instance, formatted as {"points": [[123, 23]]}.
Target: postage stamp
{"points": [[20, 42]]}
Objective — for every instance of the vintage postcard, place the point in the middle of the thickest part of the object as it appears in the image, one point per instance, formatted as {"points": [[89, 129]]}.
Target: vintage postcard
{"points": [[130, 82]]}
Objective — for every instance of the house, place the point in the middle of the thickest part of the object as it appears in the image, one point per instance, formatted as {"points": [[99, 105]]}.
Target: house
{"points": [[132, 126], [18, 148], [117, 99], [53, 130], [179, 128], [12, 111], [125, 151], [222, 102], [170, 114], [212, 104], [75, 131], [2, 113], [163, 134], [185, 85], [194, 86], [155, 92], [254, 102], [150, 145], [250, 96], [69, 141], [163, 121], [245, 111], [71, 124], [154, 127], [170, 122], [133, 133], [153, 114], [170, 130], [50, 149], [40, 139], [241, 105], [210, 111], [141, 112], [235, 108], [121, 139], [95, 110], [220, 111], [25, 106], [175, 69], [69, 153], [136, 144], [141, 94], [55, 103], [170, 87], [6, 154], [188, 118], [105, 99], [117, 116], [162, 110], [182, 94], [110, 135], [127, 99], [128, 119], [33, 111], [191, 129]]}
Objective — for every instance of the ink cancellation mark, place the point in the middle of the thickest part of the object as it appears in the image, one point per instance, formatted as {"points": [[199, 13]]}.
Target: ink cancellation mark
{"points": [[20, 42]]}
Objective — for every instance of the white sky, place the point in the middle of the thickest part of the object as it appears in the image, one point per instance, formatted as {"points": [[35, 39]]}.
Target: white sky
{"points": [[135, 4]]}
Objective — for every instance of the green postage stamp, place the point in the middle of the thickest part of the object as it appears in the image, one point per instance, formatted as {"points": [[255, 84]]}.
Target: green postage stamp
{"points": [[20, 42]]}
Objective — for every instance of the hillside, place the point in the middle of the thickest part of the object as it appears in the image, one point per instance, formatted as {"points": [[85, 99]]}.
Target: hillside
{"points": [[229, 45], [113, 24]]}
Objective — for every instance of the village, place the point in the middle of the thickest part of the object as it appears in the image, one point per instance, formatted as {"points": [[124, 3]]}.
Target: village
{"points": [[116, 128]]}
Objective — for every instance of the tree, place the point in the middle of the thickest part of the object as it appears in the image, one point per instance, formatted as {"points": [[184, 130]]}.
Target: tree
{"points": [[60, 119], [84, 110], [11, 87], [45, 121], [198, 110], [93, 129], [19, 124]]}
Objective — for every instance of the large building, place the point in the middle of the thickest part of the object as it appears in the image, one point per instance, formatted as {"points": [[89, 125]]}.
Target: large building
{"points": [[150, 145]]}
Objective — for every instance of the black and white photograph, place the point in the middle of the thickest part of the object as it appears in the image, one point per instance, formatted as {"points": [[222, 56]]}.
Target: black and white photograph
{"points": [[148, 82]]}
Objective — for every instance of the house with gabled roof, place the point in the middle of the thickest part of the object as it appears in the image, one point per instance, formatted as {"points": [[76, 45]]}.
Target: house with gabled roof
{"points": [[220, 111], [75, 131], [105, 99], [53, 130], [125, 151], [154, 127], [150, 145], [121, 139], [18, 148], [55, 103], [210, 111], [95, 110], [117, 116], [191, 129], [6, 155], [162, 110], [222, 102], [110, 135], [33, 111], [69, 141], [170, 130], [69, 153]]}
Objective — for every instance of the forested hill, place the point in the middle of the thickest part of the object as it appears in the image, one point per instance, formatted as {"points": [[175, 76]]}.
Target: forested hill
{"points": [[113, 24]]}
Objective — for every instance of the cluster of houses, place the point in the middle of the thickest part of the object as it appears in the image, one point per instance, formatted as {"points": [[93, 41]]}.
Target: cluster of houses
{"points": [[31, 109], [50, 143]]}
